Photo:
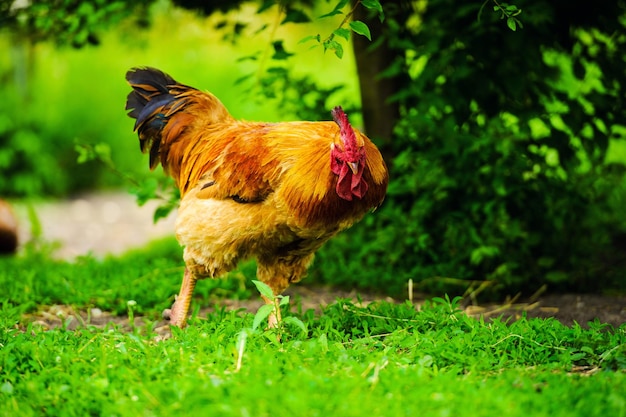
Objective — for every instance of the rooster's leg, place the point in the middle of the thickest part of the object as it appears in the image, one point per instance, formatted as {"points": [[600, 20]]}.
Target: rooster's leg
{"points": [[274, 318], [177, 315]]}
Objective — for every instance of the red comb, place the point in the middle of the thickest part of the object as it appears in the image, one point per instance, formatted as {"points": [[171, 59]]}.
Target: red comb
{"points": [[347, 134], [340, 117]]}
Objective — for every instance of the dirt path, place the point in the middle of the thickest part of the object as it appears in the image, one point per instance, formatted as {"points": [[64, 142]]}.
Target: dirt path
{"points": [[99, 224]]}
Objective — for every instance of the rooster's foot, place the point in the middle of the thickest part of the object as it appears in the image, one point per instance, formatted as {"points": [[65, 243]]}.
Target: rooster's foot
{"points": [[167, 313], [177, 314]]}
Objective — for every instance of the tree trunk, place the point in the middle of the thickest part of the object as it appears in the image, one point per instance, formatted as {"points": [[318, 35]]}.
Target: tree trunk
{"points": [[380, 115]]}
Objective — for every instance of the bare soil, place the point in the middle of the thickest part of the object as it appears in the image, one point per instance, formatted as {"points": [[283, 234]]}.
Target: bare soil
{"points": [[567, 308]]}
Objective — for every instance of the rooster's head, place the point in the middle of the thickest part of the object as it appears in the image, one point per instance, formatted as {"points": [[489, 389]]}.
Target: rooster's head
{"points": [[347, 158]]}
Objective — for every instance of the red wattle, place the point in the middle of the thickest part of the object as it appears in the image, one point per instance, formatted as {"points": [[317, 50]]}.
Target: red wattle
{"points": [[349, 185], [344, 183]]}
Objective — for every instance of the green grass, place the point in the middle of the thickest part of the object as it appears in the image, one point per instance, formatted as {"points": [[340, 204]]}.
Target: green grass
{"points": [[381, 360], [149, 277]]}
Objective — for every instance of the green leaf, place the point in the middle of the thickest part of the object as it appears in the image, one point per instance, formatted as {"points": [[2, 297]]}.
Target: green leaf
{"points": [[295, 16], [337, 10], [36, 230], [296, 322], [426, 361], [483, 252], [103, 151], [374, 5], [277, 71], [360, 28], [279, 51], [323, 342], [264, 289], [513, 9], [162, 212], [330, 14], [262, 313], [261, 29], [343, 32], [266, 5], [6, 388], [306, 39], [511, 23], [84, 153], [284, 300], [243, 78], [334, 46], [339, 50], [253, 57]]}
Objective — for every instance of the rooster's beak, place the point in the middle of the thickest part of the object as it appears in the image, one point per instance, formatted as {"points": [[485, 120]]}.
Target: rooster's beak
{"points": [[354, 166]]}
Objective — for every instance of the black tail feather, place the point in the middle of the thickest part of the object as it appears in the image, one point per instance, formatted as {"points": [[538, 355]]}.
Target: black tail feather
{"points": [[148, 84], [151, 77], [163, 109], [148, 103]]}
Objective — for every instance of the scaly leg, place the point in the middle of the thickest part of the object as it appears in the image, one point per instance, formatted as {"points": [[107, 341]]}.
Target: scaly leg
{"points": [[275, 317], [177, 315]]}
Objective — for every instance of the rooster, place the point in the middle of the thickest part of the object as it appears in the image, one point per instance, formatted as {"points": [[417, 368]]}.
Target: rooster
{"points": [[273, 191]]}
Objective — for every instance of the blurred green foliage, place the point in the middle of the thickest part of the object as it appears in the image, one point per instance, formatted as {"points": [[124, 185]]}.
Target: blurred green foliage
{"points": [[67, 22], [55, 100]]}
